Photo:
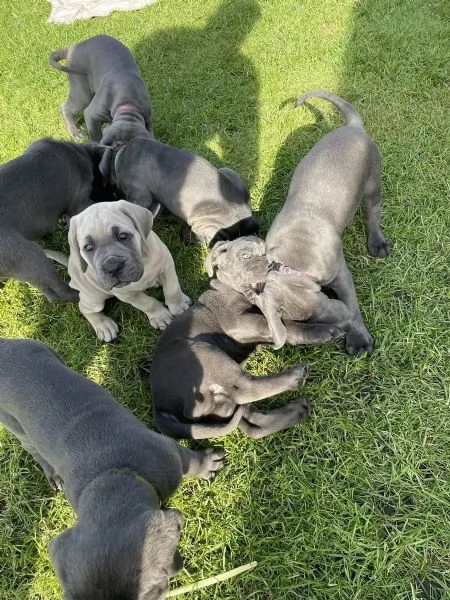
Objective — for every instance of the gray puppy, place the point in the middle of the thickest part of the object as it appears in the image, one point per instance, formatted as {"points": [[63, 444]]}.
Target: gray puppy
{"points": [[115, 473], [304, 246], [199, 388], [215, 203], [50, 180], [104, 81]]}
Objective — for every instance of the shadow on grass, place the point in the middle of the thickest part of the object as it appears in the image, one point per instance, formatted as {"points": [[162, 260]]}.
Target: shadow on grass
{"points": [[306, 496], [200, 81], [293, 149]]}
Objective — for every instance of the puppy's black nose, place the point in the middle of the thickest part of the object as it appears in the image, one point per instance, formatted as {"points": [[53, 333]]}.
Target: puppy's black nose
{"points": [[113, 265]]}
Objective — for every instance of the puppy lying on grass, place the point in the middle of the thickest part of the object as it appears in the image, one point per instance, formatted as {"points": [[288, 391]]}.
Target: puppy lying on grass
{"points": [[114, 470], [198, 386], [114, 252]]}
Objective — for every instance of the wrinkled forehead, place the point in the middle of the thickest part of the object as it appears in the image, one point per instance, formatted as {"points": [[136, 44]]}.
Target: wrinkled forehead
{"points": [[102, 223], [249, 243]]}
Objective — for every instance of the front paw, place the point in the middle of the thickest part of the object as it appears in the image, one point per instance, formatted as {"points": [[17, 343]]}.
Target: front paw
{"points": [[359, 342], [214, 460], [378, 246], [55, 480], [56, 483], [107, 330], [78, 134], [161, 319], [180, 307], [335, 334]]}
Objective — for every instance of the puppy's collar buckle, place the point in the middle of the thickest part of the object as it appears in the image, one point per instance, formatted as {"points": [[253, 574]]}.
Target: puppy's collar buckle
{"points": [[276, 266]]}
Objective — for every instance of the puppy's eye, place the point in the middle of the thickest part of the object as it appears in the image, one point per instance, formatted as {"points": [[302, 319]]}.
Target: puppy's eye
{"points": [[246, 255], [88, 247], [123, 235]]}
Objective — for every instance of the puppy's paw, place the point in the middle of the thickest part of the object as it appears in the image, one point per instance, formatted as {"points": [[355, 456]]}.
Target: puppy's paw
{"points": [[359, 342], [56, 483], [299, 373], [55, 480], [161, 319], [106, 330], [378, 246], [78, 134], [213, 461], [300, 408], [335, 333], [178, 309]]}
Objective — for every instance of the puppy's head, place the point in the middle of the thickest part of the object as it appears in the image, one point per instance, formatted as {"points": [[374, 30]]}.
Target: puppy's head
{"points": [[110, 237], [241, 263], [125, 127], [131, 562]]}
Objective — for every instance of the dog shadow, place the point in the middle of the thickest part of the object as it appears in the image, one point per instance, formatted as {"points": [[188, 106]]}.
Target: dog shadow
{"points": [[290, 153], [208, 106]]}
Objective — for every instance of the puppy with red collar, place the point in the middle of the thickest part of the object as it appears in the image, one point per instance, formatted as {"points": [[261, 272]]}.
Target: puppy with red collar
{"points": [[104, 82]]}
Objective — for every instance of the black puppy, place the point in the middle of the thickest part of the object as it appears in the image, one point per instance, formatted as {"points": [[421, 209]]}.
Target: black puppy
{"points": [[50, 180], [114, 470], [199, 388]]}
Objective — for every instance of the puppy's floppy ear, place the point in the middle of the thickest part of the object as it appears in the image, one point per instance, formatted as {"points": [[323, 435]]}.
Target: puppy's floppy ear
{"points": [[269, 306], [212, 259], [141, 217], [75, 254], [159, 555], [104, 166]]}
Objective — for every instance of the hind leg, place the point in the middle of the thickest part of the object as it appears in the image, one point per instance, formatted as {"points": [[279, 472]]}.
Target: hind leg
{"points": [[16, 429], [95, 115], [258, 424], [26, 261], [251, 389], [376, 242], [79, 97]]}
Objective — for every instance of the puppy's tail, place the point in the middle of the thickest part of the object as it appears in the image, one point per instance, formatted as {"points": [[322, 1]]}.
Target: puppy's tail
{"points": [[59, 55], [351, 115], [58, 257]]}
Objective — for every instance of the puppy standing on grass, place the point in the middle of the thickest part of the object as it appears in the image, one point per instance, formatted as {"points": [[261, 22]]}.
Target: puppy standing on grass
{"points": [[114, 252], [114, 470], [304, 246], [104, 81]]}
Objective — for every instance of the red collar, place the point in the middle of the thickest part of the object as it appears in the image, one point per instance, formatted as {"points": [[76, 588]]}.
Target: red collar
{"points": [[124, 107], [275, 266]]}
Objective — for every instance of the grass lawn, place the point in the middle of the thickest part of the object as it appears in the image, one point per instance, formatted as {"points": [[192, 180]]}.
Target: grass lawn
{"points": [[354, 503]]}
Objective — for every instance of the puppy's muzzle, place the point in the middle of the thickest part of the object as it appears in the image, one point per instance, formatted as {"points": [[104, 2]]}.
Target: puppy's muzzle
{"points": [[116, 271]]}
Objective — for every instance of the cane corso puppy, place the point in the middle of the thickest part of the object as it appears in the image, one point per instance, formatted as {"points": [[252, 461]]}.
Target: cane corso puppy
{"points": [[52, 179], [215, 203], [104, 81], [199, 388], [304, 246], [114, 252], [115, 473]]}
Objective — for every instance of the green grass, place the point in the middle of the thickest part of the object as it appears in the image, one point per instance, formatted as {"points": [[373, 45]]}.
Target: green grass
{"points": [[354, 503]]}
